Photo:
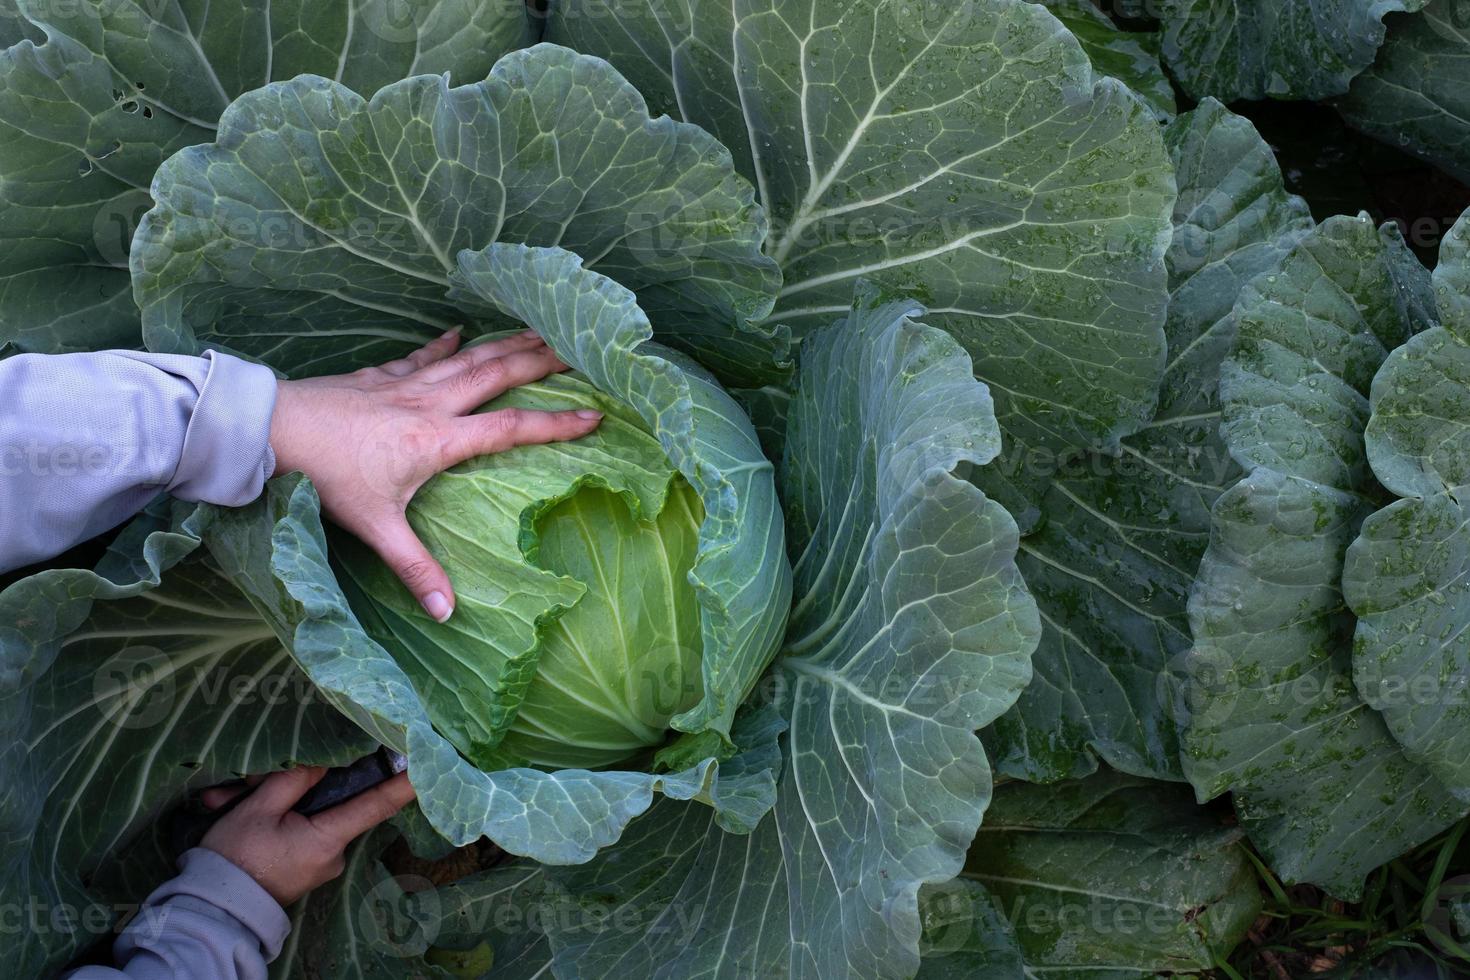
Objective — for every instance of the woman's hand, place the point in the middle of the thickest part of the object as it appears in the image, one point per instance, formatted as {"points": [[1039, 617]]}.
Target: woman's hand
{"points": [[287, 853], [370, 439]]}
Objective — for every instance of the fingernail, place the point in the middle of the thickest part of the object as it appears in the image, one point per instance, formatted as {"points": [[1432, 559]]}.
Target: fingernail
{"points": [[529, 333], [451, 332], [589, 414], [436, 604]]}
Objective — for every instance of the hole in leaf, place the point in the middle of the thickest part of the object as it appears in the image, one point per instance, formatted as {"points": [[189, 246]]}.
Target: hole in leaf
{"points": [[130, 106], [116, 145], [147, 112], [84, 168]]}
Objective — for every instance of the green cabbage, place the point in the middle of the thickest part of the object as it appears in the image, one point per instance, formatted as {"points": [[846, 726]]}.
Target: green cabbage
{"points": [[577, 633]]}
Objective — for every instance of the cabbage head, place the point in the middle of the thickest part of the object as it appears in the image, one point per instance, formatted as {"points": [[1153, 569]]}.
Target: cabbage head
{"points": [[576, 638]]}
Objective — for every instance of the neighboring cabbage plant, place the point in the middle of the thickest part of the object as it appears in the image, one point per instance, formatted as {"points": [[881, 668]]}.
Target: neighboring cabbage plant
{"points": [[1407, 576], [1321, 785], [1290, 49]]}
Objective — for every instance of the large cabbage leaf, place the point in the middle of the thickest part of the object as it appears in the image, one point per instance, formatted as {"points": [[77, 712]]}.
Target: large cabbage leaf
{"points": [[1407, 576], [1107, 876], [910, 629], [1117, 539], [1321, 786], [319, 231], [962, 153], [126, 688], [87, 117], [1282, 49], [1415, 95]]}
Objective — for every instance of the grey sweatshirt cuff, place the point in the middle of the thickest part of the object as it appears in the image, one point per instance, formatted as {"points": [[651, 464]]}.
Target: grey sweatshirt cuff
{"points": [[87, 440], [208, 877], [221, 461]]}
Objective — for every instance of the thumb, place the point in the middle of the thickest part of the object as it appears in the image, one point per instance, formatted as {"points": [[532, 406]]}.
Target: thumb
{"points": [[403, 552], [363, 812]]}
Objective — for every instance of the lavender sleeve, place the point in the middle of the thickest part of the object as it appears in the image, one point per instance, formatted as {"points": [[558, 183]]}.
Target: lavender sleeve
{"points": [[212, 921], [87, 440]]}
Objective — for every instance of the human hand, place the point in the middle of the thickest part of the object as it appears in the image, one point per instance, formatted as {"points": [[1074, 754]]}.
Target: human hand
{"points": [[287, 853], [368, 440]]}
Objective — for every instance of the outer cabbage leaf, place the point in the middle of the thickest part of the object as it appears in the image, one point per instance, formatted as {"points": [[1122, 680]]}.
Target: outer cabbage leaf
{"points": [[141, 684], [1132, 57], [964, 154], [1287, 49], [1416, 96], [1117, 539], [1109, 876], [911, 628], [1318, 782], [87, 117], [1407, 577], [319, 231], [740, 576]]}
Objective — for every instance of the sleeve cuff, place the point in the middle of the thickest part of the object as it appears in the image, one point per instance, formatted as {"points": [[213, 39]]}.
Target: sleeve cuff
{"points": [[208, 877], [227, 456]]}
